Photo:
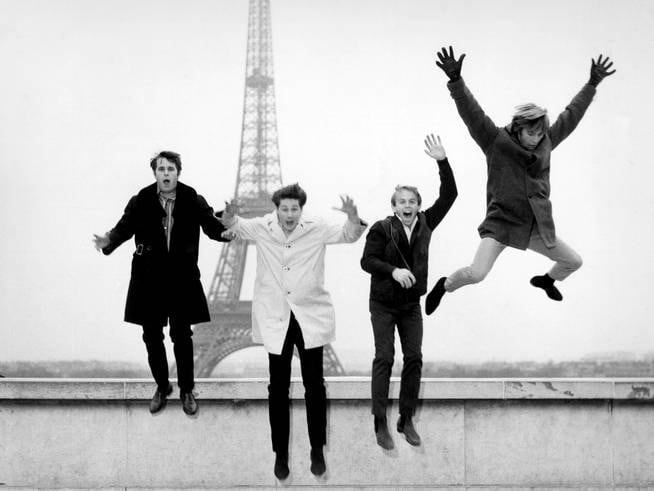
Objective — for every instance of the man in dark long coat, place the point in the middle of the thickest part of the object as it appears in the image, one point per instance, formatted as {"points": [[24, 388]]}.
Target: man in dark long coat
{"points": [[519, 211], [165, 219]]}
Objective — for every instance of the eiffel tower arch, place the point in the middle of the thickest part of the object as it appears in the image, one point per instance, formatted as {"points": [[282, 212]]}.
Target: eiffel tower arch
{"points": [[259, 175]]}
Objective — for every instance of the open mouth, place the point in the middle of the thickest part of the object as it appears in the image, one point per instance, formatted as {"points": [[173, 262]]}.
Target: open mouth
{"points": [[407, 214]]}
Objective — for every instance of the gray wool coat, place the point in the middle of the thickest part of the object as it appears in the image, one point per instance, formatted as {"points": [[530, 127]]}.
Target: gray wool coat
{"points": [[518, 186]]}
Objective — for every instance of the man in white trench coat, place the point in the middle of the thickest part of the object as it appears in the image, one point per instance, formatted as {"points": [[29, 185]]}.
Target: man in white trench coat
{"points": [[290, 307]]}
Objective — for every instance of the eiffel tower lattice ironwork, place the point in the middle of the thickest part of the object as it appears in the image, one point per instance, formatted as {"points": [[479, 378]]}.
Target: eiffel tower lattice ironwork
{"points": [[259, 175]]}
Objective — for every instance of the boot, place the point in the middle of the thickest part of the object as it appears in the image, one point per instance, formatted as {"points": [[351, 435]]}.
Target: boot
{"points": [[547, 283], [384, 439]]}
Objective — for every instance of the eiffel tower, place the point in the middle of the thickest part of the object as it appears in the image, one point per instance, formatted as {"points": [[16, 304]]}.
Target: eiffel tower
{"points": [[259, 175]]}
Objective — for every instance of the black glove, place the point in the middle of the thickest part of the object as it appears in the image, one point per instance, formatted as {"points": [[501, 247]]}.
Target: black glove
{"points": [[600, 70], [449, 64]]}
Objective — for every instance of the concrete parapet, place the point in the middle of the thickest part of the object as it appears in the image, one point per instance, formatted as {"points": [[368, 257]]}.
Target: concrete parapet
{"points": [[482, 433]]}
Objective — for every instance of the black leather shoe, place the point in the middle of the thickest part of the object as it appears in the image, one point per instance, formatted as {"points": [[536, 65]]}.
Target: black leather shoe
{"points": [[189, 404], [318, 466], [405, 425], [547, 283], [384, 439], [159, 399], [281, 466], [434, 296]]}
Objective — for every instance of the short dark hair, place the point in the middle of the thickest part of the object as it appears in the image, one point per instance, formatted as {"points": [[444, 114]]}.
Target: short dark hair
{"points": [[413, 189], [292, 191], [173, 157]]}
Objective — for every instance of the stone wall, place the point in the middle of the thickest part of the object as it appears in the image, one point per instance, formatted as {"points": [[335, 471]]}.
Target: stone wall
{"points": [[589, 433]]}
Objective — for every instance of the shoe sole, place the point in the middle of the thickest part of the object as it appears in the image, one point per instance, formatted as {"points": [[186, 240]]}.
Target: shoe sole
{"points": [[161, 408], [392, 446], [189, 412], [411, 442]]}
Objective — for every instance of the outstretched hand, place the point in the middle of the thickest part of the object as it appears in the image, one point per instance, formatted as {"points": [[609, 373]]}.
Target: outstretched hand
{"points": [[599, 70], [449, 64], [349, 208], [100, 241], [434, 148]]}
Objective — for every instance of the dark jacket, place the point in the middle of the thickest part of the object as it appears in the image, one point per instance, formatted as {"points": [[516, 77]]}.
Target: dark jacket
{"points": [[165, 283], [518, 188], [381, 255]]}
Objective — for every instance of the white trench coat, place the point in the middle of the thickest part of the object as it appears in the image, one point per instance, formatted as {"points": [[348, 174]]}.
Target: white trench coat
{"points": [[290, 277]]}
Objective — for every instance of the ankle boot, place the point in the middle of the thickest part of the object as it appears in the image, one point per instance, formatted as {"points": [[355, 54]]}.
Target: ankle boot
{"points": [[384, 439]]}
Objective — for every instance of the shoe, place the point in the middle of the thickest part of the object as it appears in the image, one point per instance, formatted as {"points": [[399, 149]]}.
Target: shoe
{"points": [[159, 399], [281, 466], [434, 296], [547, 283], [405, 425], [384, 439], [189, 404], [318, 467]]}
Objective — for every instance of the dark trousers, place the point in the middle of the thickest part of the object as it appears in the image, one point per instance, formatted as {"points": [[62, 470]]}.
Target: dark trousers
{"points": [[408, 320], [314, 390], [180, 334]]}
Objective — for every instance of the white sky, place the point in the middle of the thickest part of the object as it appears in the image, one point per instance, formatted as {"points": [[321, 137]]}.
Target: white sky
{"points": [[90, 90]]}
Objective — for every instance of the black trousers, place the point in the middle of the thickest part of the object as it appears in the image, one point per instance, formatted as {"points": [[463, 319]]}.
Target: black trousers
{"points": [[314, 390], [408, 320], [180, 334]]}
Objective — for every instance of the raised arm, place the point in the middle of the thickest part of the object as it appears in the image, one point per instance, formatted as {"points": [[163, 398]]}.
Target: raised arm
{"points": [[448, 192], [353, 227], [481, 127], [123, 230], [570, 117]]}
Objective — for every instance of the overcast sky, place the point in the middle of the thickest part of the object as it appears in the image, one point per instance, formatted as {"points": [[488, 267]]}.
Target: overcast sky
{"points": [[91, 90]]}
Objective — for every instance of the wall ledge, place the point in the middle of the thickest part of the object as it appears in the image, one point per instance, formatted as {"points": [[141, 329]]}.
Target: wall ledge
{"points": [[338, 388]]}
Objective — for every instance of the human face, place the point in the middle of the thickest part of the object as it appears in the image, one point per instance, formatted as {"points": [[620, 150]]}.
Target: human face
{"points": [[406, 206], [530, 137], [289, 212], [166, 174]]}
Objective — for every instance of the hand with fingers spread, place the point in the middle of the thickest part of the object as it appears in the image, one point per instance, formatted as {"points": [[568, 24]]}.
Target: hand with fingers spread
{"points": [[404, 277], [599, 70], [449, 64], [434, 148], [100, 241], [349, 208]]}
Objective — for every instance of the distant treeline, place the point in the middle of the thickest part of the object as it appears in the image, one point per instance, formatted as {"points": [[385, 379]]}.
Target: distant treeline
{"points": [[550, 369], [73, 369], [494, 369]]}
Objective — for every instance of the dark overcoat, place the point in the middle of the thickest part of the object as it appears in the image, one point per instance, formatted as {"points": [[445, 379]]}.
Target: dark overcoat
{"points": [[518, 187], [164, 282]]}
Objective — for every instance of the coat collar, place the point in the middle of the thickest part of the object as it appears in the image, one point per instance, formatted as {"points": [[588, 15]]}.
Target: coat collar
{"points": [[275, 229], [151, 195]]}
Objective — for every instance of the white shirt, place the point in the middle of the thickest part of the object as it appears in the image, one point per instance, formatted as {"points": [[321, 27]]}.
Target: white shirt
{"points": [[408, 230], [290, 276]]}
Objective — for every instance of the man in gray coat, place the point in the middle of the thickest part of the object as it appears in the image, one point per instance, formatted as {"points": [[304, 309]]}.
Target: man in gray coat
{"points": [[519, 211]]}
